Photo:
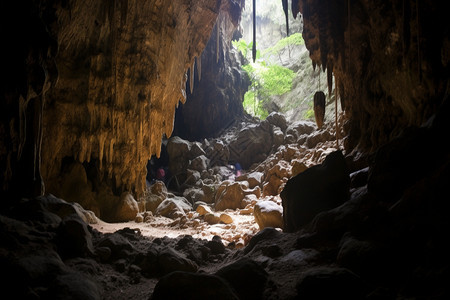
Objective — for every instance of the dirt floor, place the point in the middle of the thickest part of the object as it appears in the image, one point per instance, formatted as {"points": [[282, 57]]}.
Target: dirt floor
{"points": [[240, 231]]}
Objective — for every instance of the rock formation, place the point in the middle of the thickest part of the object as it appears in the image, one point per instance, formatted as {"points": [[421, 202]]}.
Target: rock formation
{"points": [[219, 85], [389, 59], [96, 82]]}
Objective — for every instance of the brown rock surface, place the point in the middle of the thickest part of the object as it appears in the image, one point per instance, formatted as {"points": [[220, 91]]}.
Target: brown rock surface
{"points": [[120, 69]]}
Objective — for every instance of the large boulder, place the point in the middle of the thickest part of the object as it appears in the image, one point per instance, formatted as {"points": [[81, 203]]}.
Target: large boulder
{"points": [[319, 188], [155, 195], [171, 260], [185, 285], [268, 214], [247, 278], [330, 283], [179, 152], [229, 195], [173, 207], [277, 119], [276, 177], [252, 144], [127, 209]]}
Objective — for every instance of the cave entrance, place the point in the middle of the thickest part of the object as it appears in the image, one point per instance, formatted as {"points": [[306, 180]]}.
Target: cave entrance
{"points": [[245, 129]]}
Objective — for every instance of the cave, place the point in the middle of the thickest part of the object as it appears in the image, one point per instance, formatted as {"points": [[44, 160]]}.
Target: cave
{"points": [[119, 112]]}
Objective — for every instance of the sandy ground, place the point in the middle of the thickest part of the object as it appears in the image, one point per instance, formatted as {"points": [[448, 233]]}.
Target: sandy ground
{"points": [[239, 231]]}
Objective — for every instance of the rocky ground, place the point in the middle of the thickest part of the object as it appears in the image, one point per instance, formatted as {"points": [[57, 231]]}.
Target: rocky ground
{"points": [[219, 234]]}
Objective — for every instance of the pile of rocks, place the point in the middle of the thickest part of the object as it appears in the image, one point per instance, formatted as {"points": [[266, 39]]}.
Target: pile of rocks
{"points": [[206, 177]]}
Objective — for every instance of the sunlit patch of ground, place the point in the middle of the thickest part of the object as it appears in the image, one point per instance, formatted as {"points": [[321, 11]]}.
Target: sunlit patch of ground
{"points": [[239, 231]]}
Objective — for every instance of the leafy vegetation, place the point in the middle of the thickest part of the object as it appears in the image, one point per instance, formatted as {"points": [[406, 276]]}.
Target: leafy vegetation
{"points": [[283, 44], [266, 80]]}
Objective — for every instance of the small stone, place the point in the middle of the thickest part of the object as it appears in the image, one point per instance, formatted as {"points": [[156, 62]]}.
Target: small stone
{"points": [[203, 210], [139, 218], [226, 218], [211, 218]]}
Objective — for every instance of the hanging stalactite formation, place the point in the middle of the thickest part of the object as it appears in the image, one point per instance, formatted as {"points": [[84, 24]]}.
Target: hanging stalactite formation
{"points": [[254, 32], [319, 108], [356, 41], [286, 14]]}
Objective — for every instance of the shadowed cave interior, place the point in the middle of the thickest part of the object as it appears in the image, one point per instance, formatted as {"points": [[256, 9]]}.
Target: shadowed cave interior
{"points": [[131, 170]]}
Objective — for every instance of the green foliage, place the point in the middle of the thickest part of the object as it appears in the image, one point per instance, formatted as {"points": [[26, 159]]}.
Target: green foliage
{"points": [[253, 106], [293, 39], [309, 114], [266, 81], [245, 49]]}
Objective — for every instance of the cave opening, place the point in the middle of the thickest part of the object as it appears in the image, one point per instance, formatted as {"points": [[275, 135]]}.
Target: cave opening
{"points": [[246, 183]]}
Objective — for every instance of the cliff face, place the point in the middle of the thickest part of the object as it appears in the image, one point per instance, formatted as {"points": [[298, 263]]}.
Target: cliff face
{"points": [[219, 85], [389, 59], [107, 78]]}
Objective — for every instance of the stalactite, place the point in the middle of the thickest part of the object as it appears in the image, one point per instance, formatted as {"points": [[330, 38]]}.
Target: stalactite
{"points": [[349, 28], [123, 12], [295, 8], [336, 111], [40, 134], [254, 32], [22, 125], [191, 76], [217, 40], [418, 43], [199, 67], [286, 14], [319, 108], [329, 79], [101, 145]]}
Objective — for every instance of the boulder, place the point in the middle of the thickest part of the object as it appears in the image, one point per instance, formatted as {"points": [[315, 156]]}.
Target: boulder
{"points": [[268, 214], [330, 283], [278, 137], [318, 137], [170, 260], [277, 119], [276, 177], [218, 153], [319, 188], [73, 285], [226, 218], [246, 277], [199, 163], [184, 285], [73, 238], [155, 195], [298, 167], [194, 195], [170, 208], [179, 154], [252, 144], [254, 179], [299, 128], [203, 210], [229, 195], [211, 218], [127, 209], [193, 176], [63, 208], [117, 245]]}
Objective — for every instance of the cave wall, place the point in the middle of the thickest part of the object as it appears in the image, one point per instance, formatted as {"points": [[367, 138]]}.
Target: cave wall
{"points": [[219, 85], [95, 84], [390, 60]]}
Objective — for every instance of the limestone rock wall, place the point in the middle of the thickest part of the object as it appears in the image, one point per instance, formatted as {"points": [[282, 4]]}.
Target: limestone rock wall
{"points": [[121, 71], [389, 59], [219, 85]]}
